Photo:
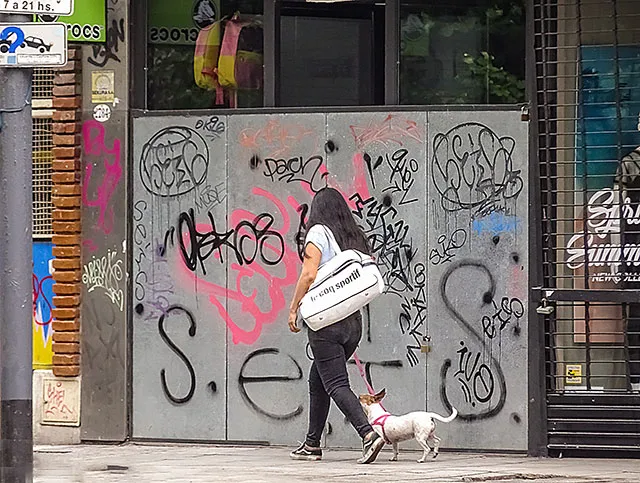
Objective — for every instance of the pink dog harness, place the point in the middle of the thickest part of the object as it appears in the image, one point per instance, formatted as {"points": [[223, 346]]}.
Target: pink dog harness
{"points": [[379, 421]]}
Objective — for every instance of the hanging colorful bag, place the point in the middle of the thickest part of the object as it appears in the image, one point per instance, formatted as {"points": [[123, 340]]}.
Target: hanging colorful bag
{"points": [[240, 63], [205, 59]]}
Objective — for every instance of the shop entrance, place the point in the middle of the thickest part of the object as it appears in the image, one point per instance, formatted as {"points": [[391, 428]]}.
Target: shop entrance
{"points": [[588, 105]]}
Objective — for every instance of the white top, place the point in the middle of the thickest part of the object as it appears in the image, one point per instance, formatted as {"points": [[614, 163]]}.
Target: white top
{"points": [[319, 236]]}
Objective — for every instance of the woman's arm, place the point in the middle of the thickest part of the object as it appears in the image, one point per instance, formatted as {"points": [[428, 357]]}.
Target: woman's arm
{"points": [[310, 264]]}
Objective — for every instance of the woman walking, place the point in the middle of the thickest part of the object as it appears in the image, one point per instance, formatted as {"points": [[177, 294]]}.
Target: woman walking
{"points": [[333, 345]]}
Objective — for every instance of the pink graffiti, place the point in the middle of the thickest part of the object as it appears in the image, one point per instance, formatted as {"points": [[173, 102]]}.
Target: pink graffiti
{"points": [[393, 129], [57, 404], [90, 245], [358, 185], [39, 293], [276, 138], [93, 136], [250, 311]]}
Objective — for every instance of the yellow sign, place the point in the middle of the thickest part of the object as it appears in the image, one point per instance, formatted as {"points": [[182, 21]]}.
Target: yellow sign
{"points": [[102, 87], [574, 374]]}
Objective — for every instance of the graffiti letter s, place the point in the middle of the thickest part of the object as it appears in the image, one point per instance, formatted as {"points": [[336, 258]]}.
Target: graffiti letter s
{"points": [[179, 353]]}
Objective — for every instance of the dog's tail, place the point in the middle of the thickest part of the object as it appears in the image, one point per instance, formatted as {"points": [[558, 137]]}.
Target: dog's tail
{"points": [[454, 413]]}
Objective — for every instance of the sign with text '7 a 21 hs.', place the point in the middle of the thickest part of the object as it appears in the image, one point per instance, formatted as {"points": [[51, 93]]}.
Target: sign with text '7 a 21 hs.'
{"points": [[33, 44], [52, 7]]}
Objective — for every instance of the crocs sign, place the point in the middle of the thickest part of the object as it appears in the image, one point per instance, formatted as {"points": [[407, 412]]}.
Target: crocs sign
{"points": [[86, 24], [178, 22]]}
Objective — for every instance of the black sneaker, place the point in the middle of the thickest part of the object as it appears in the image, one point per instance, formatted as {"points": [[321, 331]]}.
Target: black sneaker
{"points": [[306, 453], [371, 448]]}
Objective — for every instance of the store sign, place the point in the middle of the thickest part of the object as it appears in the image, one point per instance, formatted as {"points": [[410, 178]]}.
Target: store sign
{"points": [[33, 45], [86, 24], [179, 21], [51, 7], [603, 248]]}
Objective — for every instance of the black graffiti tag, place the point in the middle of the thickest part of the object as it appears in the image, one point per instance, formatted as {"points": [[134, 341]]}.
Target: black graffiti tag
{"points": [[244, 380], [141, 245], [403, 168], [447, 247], [473, 169], [174, 162], [414, 314], [484, 377], [389, 240], [213, 127], [508, 310], [208, 197], [475, 378], [192, 374], [110, 50], [248, 241], [295, 169], [303, 209]]}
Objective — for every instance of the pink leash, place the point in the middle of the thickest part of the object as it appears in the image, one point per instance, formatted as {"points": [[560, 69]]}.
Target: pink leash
{"points": [[364, 376], [380, 420]]}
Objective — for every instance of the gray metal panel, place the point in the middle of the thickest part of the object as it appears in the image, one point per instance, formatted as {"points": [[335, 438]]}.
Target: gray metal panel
{"points": [[104, 287], [275, 164], [379, 164], [179, 334], [478, 266], [104, 311]]}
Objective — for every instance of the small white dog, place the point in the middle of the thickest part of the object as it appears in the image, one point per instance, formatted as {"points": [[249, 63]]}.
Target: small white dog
{"points": [[394, 429]]}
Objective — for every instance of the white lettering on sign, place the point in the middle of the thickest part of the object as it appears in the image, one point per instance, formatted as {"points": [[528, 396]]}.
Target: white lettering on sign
{"points": [[53, 7], [603, 247]]}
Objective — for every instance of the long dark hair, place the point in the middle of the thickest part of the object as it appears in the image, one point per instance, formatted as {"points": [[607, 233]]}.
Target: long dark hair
{"points": [[329, 208]]}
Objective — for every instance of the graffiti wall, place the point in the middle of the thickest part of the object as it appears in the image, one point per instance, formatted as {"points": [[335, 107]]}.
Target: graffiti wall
{"points": [[219, 206], [42, 305], [478, 272]]}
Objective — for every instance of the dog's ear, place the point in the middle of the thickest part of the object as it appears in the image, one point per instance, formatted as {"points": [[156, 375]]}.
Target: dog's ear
{"points": [[378, 397]]}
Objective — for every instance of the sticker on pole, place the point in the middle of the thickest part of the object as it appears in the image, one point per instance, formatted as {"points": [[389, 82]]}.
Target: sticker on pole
{"points": [[33, 44], [51, 7]]}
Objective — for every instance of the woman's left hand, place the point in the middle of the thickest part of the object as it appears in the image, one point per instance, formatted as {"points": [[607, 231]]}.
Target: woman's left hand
{"points": [[293, 325]]}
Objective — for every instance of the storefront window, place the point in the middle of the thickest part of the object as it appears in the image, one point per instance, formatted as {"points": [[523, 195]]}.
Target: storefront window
{"points": [[588, 73], [462, 52], [176, 80], [331, 54]]}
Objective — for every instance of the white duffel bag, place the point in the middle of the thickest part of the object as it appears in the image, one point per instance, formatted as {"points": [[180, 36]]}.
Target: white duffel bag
{"points": [[343, 285]]}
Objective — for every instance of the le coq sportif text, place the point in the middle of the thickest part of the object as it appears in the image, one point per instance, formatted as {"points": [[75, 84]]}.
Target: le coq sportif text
{"points": [[337, 286]]}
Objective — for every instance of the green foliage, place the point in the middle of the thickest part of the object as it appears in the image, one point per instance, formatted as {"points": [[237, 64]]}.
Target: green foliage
{"points": [[492, 74], [171, 79], [499, 86]]}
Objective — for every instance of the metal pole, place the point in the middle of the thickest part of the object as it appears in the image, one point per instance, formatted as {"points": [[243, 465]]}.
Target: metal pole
{"points": [[16, 444], [392, 52]]}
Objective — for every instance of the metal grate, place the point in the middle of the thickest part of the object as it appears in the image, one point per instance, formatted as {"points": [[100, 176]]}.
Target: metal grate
{"points": [[587, 55], [43, 83], [42, 159], [42, 145]]}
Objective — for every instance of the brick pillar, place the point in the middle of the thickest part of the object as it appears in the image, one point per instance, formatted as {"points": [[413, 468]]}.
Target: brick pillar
{"points": [[66, 197]]}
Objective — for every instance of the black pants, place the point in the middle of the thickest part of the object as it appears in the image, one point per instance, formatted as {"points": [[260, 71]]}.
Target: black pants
{"points": [[328, 377]]}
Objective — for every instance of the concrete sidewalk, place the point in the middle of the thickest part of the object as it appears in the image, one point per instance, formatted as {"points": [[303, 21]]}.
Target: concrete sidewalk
{"points": [[209, 463]]}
